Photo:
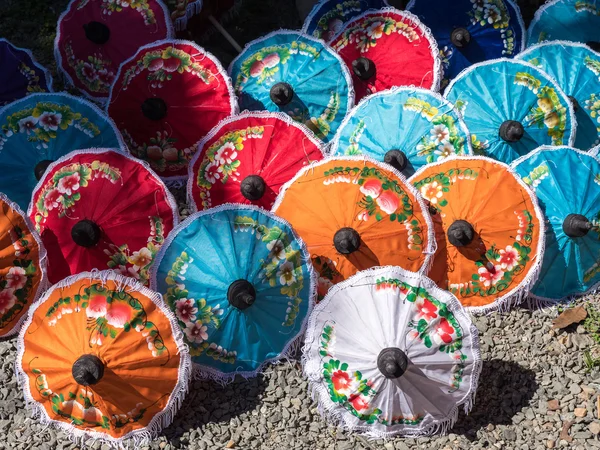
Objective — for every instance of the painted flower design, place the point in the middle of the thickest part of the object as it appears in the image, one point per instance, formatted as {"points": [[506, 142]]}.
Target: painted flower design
{"points": [[119, 314], [363, 215], [492, 14], [196, 332], [226, 154], [490, 276], [7, 300], [432, 191], [358, 402], [440, 134], [323, 286], [509, 258], [371, 188], [425, 309], [27, 125], [105, 76], [443, 332], [213, 172], [388, 202], [445, 150], [276, 249], [186, 310], [285, 273], [97, 307], [88, 72], [375, 30], [16, 278], [69, 184], [50, 121], [141, 258], [342, 381]]}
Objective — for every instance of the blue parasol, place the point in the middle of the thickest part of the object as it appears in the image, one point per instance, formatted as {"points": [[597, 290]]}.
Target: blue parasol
{"points": [[569, 20]]}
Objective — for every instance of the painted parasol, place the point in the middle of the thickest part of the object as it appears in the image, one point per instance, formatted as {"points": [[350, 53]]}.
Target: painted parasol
{"points": [[511, 107], [97, 208], [22, 266], [95, 36], [101, 357], [355, 213], [389, 353], [247, 158], [576, 69], [569, 20], [489, 231], [165, 99], [21, 74], [182, 10], [296, 74], [472, 31], [241, 285], [388, 48], [41, 128], [404, 127], [567, 184], [328, 17]]}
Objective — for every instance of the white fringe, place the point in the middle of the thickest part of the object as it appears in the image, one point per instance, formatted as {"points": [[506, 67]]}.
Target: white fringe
{"points": [[193, 8], [161, 420], [206, 372], [47, 74]]}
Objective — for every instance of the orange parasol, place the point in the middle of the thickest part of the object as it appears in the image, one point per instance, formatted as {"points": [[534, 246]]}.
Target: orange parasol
{"points": [[22, 266], [355, 213], [102, 357], [489, 231]]}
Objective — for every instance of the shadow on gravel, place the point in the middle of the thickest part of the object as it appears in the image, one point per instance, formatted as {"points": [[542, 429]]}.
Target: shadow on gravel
{"points": [[208, 401], [505, 388]]}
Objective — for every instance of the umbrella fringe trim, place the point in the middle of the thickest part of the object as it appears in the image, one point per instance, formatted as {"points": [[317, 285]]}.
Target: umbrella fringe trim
{"points": [[553, 82], [200, 372], [42, 260], [64, 75], [431, 248], [520, 292], [161, 419], [45, 71], [317, 9], [191, 10], [538, 15], [232, 119], [339, 416], [438, 69], [335, 142]]}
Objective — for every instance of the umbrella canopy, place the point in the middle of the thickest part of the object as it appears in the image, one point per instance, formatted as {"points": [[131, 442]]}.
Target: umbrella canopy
{"points": [[182, 10], [328, 17], [101, 357], [22, 266], [355, 213], [569, 20], [567, 184], [41, 128], [576, 69], [489, 231], [98, 208], [296, 74], [94, 37], [471, 31], [388, 48], [21, 75], [388, 353], [404, 127], [511, 107], [246, 159], [241, 285], [165, 99]]}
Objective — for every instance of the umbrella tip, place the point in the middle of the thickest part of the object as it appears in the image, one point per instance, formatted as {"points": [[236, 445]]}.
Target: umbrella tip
{"points": [[460, 37], [460, 233], [574, 102], [154, 108], [397, 159], [511, 131], [281, 94], [253, 187], [576, 225], [346, 240], [40, 168], [86, 233], [88, 370], [97, 32], [363, 68], [392, 362], [241, 294]]}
